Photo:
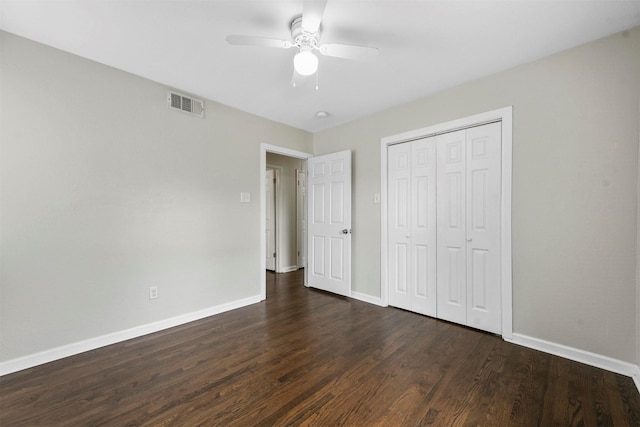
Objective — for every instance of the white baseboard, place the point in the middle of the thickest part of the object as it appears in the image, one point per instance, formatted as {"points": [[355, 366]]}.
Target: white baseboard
{"points": [[582, 356], [367, 298], [289, 269], [636, 377], [46, 356]]}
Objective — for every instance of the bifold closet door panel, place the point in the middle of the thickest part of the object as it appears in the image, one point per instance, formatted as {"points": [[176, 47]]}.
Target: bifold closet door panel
{"points": [[412, 226], [483, 220], [423, 226], [399, 228], [451, 236]]}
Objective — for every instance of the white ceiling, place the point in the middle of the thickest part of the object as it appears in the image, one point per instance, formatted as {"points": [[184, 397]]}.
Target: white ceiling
{"points": [[425, 46]]}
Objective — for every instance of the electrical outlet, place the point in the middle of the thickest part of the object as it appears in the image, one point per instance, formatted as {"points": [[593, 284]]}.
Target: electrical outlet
{"points": [[153, 292]]}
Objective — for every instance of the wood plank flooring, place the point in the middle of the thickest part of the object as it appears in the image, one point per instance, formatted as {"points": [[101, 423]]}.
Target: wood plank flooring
{"points": [[304, 357]]}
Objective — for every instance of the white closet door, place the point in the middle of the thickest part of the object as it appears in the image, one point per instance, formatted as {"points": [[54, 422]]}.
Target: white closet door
{"points": [[483, 227], [451, 282], [423, 226], [444, 226], [412, 226]]}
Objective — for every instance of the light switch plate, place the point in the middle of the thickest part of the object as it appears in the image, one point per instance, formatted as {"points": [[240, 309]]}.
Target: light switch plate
{"points": [[376, 198], [245, 197]]}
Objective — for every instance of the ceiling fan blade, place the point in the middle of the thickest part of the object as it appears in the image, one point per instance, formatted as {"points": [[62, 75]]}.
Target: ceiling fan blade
{"points": [[236, 39], [312, 11], [346, 51]]}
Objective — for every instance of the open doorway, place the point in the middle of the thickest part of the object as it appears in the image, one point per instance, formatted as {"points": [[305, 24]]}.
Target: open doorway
{"points": [[282, 189], [288, 164]]}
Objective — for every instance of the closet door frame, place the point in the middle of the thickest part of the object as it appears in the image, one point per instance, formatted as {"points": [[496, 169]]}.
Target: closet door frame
{"points": [[502, 115]]}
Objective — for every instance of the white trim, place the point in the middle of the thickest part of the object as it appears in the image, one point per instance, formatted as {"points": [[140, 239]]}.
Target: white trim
{"points": [[277, 170], [264, 148], [505, 116], [636, 373], [384, 219], [57, 353], [636, 377], [289, 269], [301, 248], [637, 337], [367, 298], [506, 263], [577, 355]]}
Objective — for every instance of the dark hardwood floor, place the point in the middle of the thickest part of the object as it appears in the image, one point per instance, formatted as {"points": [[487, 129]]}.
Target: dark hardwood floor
{"points": [[304, 357]]}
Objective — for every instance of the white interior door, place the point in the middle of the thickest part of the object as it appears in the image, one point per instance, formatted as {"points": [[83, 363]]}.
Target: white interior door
{"points": [[412, 226], [270, 226], [301, 216], [329, 225]]}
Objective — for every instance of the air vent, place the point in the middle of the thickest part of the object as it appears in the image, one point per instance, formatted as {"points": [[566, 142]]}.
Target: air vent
{"points": [[186, 104]]}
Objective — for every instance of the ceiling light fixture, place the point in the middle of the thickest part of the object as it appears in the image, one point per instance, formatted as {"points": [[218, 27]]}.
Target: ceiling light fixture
{"points": [[305, 62], [322, 115]]}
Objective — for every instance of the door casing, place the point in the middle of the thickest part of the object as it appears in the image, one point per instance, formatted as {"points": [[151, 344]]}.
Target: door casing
{"points": [[271, 211], [301, 217], [264, 148], [504, 116]]}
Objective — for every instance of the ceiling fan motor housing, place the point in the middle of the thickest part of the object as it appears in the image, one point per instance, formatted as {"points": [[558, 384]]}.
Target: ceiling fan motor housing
{"points": [[303, 38]]}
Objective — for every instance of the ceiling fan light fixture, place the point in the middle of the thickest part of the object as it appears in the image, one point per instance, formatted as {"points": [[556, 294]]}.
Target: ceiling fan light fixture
{"points": [[305, 63]]}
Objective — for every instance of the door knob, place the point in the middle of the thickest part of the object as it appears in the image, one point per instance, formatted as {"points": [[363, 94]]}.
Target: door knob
{"points": [[469, 239], [345, 231]]}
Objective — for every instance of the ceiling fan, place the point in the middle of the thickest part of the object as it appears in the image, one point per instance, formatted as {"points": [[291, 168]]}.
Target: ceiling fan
{"points": [[305, 36]]}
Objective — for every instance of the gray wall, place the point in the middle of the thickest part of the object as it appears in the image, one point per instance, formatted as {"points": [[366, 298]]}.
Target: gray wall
{"points": [[575, 166], [106, 192]]}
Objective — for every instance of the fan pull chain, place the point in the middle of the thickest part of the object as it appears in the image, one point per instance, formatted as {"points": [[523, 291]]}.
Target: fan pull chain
{"points": [[317, 85]]}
